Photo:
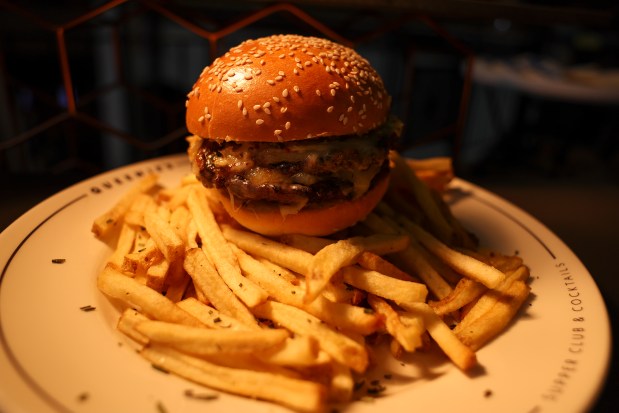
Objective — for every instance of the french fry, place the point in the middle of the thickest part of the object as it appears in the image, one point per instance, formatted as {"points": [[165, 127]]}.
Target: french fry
{"points": [[179, 219], [326, 263], [164, 236], [481, 330], [460, 354], [337, 345], [425, 199], [409, 336], [465, 292], [374, 262], [148, 301], [135, 214], [281, 254], [342, 383], [210, 283], [123, 246], [401, 292], [127, 322], [382, 244], [107, 222], [380, 224], [416, 262], [300, 395], [210, 316], [179, 197], [485, 303], [308, 243], [146, 255], [345, 316], [156, 275], [177, 282], [202, 341], [296, 351], [281, 272], [436, 172], [464, 264], [218, 250]]}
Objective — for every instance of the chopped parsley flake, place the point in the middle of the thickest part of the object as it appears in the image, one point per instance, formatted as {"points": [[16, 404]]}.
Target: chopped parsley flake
{"points": [[161, 369], [201, 396]]}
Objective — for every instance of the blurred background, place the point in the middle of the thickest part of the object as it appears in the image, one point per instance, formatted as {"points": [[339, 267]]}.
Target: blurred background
{"points": [[524, 95]]}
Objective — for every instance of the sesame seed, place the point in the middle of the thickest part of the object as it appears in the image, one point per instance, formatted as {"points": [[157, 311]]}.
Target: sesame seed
{"points": [[201, 119], [271, 82], [281, 56], [266, 105], [283, 109], [279, 78], [287, 125], [248, 76], [239, 104], [332, 92], [349, 109], [296, 88], [257, 107], [275, 99], [281, 73], [244, 111], [330, 109], [341, 118], [259, 121], [318, 92], [277, 131], [285, 93], [267, 111]]}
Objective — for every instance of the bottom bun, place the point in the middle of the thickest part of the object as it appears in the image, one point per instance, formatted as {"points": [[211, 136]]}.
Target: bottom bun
{"points": [[318, 222]]}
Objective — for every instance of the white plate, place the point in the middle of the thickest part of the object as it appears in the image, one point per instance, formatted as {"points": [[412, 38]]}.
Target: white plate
{"points": [[55, 357]]}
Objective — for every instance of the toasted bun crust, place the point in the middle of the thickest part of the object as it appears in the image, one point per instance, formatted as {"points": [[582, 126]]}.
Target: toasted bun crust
{"points": [[284, 88], [317, 222]]}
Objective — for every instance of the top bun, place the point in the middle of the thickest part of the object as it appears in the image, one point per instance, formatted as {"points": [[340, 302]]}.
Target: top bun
{"points": [[286, 87]]}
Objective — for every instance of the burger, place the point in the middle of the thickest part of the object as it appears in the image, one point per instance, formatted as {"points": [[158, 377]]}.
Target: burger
{"points": [[292, 134]]}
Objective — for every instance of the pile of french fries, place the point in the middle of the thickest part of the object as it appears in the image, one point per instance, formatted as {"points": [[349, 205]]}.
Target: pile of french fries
{"points": [[292, 319]]}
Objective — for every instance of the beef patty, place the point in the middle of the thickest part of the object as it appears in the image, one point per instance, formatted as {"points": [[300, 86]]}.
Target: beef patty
{"points": [[307, 172]]}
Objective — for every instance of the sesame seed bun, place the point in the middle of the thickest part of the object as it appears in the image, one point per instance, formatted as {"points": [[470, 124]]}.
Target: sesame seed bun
{"points": [[284, 88], [316, 222]]}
